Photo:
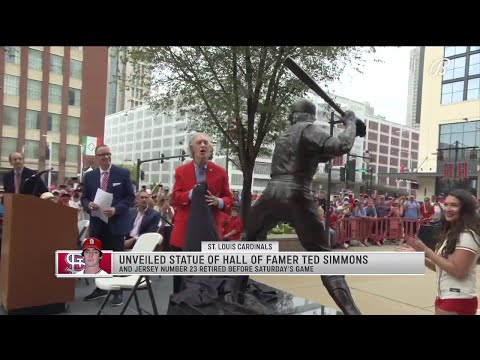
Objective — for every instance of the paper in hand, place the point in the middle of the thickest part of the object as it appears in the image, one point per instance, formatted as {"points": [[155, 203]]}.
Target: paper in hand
{"points": [[104, 200]]}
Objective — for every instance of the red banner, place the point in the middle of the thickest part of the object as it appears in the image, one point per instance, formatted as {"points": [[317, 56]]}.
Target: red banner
{"points": [[463, 171], [448, 172], [337, 161]]}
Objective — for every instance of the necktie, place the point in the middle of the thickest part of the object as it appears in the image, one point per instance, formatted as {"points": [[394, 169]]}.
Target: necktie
{"points": [[17, 182], [105, 180], [201, 175]]}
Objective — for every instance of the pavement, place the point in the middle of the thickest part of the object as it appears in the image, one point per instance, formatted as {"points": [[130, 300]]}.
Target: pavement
{"points": [[162, 288]]}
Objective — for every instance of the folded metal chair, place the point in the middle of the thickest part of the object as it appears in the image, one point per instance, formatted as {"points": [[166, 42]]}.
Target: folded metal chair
{"points": [[132, 283]]}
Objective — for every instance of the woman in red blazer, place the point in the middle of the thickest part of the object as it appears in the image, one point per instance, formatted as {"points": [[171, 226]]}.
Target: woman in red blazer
{"points": [[187, 176]]}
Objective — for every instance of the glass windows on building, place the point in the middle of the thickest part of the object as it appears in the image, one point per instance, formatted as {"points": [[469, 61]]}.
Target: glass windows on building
{"points": [[73, 125], [466, 133], [12, 85], [34, 89], [74, 97], [56, 64], [9, 145], [76, 69], [10, 116], [54, 94], [33, 119], [35, 59], [53, 123], [12, 54], [461, 74], [32, 149]]}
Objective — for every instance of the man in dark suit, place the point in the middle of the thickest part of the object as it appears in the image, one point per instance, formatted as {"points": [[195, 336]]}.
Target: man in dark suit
{"points": [[143, 219], [20, 180], [116, 181]]}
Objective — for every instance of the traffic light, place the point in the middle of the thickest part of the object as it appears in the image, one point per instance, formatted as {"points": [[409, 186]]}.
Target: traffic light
{"points": [[342, 174], [162, 161], [142, 175], [350, 173], [183, 155]]}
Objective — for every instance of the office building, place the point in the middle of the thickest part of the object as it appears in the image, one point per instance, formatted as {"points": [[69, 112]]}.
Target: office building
{"points": [[51, 94]]}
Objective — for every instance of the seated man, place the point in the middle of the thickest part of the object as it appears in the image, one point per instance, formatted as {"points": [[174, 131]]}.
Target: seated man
{"points": [[143, 219]]}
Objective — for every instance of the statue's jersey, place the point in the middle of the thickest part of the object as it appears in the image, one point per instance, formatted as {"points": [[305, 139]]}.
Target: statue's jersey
{"points": [[299, 150]]}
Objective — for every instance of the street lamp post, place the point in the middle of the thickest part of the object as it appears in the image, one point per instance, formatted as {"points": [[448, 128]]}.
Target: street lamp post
{"points": [[81, 162], [329, 178], [50, 149]]}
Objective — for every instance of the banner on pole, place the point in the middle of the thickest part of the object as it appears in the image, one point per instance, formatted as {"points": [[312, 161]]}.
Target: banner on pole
{"points": [[89, 144]]}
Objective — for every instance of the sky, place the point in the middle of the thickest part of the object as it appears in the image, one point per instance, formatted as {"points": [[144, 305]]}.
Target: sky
{"points": [[383, 84]]}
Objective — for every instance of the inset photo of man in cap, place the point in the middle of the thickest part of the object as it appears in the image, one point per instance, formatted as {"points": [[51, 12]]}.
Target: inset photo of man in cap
{"points": [[92, 256]]}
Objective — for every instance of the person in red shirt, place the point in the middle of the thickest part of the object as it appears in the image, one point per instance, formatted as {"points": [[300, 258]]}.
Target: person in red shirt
{"points": [[234, 227], [427, 210]]}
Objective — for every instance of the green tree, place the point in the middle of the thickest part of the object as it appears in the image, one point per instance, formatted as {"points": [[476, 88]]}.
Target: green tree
{"points": [[132, 169], [239, 93]]}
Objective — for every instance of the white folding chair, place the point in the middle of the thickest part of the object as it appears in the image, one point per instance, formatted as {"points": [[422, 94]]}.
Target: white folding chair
{"points": [[145, 243], [82, 231]]}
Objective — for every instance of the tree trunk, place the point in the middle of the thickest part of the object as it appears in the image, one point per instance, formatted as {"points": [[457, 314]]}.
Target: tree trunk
{"points": [[246, 197]]}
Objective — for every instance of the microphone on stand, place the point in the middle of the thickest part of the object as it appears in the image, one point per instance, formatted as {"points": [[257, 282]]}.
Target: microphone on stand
{"points": [[33, 179], [38, 174]]}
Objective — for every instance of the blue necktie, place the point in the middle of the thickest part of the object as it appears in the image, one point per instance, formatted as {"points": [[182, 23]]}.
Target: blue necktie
{"points": [[201, 175]]}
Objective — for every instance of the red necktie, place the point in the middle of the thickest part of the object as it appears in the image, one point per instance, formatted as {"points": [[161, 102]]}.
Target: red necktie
{"points": [[17, 182], [105, 181]]}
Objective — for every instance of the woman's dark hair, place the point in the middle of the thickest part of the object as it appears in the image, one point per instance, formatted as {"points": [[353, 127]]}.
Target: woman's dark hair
{"points": [[468, 220]]}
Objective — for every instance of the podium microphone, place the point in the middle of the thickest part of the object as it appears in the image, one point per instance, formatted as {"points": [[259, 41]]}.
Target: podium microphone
{"points": [[40, 173]]}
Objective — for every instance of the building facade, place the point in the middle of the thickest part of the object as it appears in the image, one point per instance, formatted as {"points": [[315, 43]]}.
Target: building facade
{"points": [[138, 133], [393, 149], [450, 119], [126, 88], [51, 94], [414, 88]]}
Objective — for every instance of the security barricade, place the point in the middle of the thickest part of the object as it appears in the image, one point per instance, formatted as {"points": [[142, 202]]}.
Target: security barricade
{"points": [[392, 229]]}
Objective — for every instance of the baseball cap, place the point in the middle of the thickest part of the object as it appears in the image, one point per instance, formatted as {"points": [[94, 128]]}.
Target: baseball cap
{"points": [[92, 243], [47, 195]]}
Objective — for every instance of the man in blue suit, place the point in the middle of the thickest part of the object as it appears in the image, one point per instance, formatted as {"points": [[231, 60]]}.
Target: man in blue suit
{"points": [[143, 219], [114, 180]]}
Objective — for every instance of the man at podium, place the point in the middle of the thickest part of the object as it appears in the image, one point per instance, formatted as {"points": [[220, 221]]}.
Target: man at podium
{"points": [[22, 180]]}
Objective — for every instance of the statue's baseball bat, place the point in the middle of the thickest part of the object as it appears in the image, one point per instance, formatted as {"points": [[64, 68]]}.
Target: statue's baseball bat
{"points": [[312, 84]]}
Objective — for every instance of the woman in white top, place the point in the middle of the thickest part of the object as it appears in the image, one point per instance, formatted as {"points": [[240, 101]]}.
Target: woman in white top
{"points": [[456, 255]]}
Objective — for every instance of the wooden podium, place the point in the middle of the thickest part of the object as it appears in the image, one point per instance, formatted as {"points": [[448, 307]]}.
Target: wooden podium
{"points": [[33, 229]]}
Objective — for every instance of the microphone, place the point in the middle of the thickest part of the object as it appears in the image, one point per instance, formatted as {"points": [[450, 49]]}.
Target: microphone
{"points": [[40, 173]]}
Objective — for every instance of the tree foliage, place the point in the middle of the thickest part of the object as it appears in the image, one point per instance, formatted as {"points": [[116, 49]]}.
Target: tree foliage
{"points": [[239, 94], [132, 169]]}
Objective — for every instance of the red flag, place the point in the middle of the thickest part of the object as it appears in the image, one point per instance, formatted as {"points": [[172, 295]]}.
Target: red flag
{"points": [[465, 170], [451, 174], [402, 168]]}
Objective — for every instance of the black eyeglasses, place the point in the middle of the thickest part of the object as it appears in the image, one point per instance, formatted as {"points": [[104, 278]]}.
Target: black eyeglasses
{"points": [[106, 154]]}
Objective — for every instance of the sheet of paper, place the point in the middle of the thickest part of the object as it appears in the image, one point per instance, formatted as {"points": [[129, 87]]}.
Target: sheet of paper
{"points": [[104, 200]]}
